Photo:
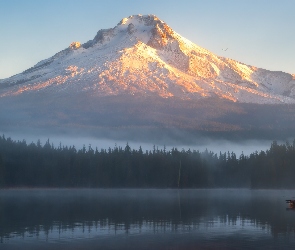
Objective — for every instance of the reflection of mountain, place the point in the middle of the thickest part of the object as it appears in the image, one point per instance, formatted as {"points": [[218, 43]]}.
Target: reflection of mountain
{"points": [[143, 75], [106, 215]]}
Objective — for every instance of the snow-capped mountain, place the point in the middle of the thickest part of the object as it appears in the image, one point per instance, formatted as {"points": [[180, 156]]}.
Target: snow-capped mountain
{"points": [[143, 56], [141, 80]]}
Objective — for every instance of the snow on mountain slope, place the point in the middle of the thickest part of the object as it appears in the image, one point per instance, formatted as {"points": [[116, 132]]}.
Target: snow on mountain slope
{"points": [[143, 55]]}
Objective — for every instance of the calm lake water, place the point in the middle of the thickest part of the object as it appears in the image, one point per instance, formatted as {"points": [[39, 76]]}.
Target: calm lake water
{"points": [[146, 219]]}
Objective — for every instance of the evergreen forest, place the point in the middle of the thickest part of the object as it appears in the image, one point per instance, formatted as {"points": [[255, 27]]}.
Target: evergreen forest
{"points": [[37, 165]]}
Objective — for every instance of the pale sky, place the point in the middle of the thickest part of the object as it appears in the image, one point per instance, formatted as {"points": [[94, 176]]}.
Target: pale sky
{"points": [[256, 32]]}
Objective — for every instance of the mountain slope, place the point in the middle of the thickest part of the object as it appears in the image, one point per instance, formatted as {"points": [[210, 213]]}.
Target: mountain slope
{"points": [[142, 55]]}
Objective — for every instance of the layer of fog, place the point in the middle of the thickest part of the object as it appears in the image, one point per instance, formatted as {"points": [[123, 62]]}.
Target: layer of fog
{"points": [[219, 145]]}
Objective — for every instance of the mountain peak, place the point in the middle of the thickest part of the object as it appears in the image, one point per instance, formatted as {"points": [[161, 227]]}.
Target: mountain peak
{"points": [[148, 29], [158, 32], [145, 19]]}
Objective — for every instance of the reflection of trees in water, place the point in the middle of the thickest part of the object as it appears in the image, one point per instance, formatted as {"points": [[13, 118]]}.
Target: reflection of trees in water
{"points": [[42, 212]]}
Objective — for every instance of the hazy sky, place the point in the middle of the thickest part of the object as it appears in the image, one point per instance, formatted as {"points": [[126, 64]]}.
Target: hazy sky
{"points": [[257, 32]]}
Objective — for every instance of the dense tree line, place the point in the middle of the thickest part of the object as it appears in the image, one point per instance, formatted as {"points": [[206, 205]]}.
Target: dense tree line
{"points": [[36, 165]]}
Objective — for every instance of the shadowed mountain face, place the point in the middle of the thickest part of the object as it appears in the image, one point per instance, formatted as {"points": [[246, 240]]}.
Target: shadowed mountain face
{"points": [[152, 119], [141, 75]]}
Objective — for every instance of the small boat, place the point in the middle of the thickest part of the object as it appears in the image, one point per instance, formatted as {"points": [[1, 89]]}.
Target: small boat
{"points": [[291, 203]]}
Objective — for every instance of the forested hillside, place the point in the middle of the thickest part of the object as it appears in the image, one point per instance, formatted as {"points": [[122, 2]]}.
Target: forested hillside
{"points": [[36, 165]]}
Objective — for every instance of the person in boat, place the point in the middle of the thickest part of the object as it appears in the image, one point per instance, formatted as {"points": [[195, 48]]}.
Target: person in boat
{"points": [[291, 203]]}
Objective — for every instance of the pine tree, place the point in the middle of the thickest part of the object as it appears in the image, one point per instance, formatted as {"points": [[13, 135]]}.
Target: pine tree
{"points": [[2, 172]]}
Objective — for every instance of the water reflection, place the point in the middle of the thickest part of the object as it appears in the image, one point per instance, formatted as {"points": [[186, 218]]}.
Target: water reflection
{"points": [[145, 219]]}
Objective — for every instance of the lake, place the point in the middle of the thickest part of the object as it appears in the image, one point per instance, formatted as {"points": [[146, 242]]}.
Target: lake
{"points": [[146, 219]]}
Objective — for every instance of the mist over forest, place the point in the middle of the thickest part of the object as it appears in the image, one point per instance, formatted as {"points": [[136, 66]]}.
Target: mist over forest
{"points": [[32, 164], [200, 143]]}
